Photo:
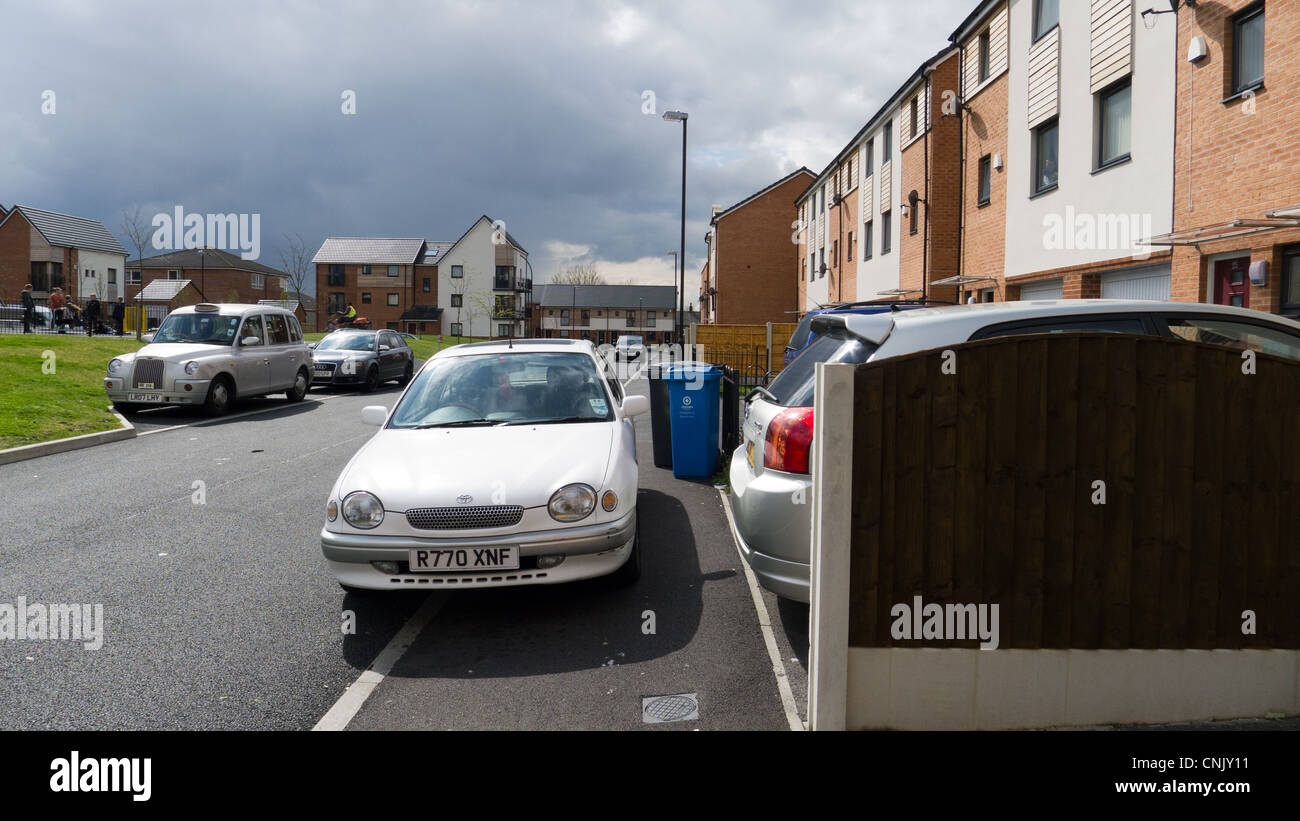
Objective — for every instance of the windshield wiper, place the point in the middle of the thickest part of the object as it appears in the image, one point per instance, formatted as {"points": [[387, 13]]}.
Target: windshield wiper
{"points": [[461, 423], [561, 421]]}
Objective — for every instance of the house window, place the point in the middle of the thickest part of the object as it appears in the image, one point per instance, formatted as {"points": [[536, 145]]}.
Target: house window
{"points": [[1114, 123], [848, 251], [1291, 281], [337, 303], [986, 179], [1248, 50], [870, 158], [564, 316], [392, 270], [983, 57], [803, 269], [866, 239], [365, 297], [132, 277], [259, 281], [913, 214], [585, 318], [428, 285], [835, 253], [173, 274], [365, 269], [1047, 15], [915, 116], [821, 262], [457, 271], [886, 232], [457, 329], [887, 150], [336, 276], [503, 330], [650, 319], [112, 276], [457, 300], [392, 299], [1045, 159], [631, 319]]}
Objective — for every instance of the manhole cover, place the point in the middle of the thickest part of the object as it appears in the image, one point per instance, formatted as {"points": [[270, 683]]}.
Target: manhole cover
{"points": [[663, 709]]}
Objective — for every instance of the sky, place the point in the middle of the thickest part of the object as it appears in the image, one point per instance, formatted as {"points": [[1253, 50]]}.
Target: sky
{"points": [[545, 115]]}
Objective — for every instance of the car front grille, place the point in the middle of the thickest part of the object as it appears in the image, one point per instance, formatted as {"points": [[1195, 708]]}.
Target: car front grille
{"points": [[464, 518], [148, 372]]}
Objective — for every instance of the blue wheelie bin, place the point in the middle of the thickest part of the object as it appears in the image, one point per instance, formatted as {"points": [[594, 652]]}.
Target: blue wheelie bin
{"points": [[693, 418]]}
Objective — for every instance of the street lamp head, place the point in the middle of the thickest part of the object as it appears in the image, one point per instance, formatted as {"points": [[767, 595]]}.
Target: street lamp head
{"points": [[675, 115]]}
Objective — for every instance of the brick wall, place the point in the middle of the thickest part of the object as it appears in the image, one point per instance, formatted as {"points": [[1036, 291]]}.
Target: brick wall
{"points": [[754, 250], [408, 285], [984, 232], [217, 284], [15, 259]]}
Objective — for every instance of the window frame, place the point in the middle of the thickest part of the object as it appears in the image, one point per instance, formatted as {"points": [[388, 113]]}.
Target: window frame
{"points": [[886, 233], [982, 60], [868, 230], [458, 272], [1099, 162], [1036, 21], [1238, 20], [984, 182], [1035, 176], [1289, 303], [394, 299]]}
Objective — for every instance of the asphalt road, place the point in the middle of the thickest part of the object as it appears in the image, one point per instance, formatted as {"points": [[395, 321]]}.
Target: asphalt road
{"points": [[221, 615]]}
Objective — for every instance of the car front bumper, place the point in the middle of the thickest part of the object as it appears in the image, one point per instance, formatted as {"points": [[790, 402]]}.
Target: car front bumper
{"points": [[588, 550], [772, 515], [183, 392]]}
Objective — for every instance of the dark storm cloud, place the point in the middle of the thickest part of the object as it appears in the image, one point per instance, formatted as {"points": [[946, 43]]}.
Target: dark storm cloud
{"points": [[529, 112]]}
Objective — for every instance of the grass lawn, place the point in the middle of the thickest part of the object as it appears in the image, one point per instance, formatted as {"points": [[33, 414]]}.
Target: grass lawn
{"points": [[423, 348], [36, 406]]}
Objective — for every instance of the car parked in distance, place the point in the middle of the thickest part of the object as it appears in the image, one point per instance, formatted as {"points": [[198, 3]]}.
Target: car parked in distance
{"points": [[212, 354], [11, 317], [803, 334], [502, 464], [363, 358], [771, 488], [629, 348]]}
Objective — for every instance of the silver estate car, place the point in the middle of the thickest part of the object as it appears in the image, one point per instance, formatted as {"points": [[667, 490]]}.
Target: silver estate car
{"points": [[212, 354], [364, 358], [771, 488]]}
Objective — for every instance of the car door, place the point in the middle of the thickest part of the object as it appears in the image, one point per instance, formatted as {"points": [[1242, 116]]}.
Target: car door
{"points": [[285, 358], [252, 358], [392, 359]]}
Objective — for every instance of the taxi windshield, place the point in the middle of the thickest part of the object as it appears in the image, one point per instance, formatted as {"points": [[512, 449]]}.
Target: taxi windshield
{"points": [[202, 328]]}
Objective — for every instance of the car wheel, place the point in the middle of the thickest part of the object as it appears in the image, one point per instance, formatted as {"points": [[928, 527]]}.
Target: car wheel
{"points": [[221, 393], [407, 374], [301, 383], [125, 407], [627, 575], [372, 379]]}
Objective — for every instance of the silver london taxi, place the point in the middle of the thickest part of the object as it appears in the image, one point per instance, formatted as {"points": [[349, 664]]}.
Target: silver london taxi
{"points": [[212, 354]]}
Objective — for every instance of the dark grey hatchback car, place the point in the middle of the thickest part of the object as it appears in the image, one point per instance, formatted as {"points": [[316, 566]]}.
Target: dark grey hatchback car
{"points": [[363, 358]]}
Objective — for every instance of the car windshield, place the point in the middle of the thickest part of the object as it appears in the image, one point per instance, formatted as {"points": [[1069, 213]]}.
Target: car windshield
{"points": [[793, 388], [626, 341], [347, 342], [210, 329], [505, 388]]}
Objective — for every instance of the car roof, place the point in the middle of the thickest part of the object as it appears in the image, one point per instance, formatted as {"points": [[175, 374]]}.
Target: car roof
{"points": [[519, 345], [957, 322]]}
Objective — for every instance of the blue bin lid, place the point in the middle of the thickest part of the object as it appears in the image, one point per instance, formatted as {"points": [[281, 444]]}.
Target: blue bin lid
{"points": [[690, 371]]}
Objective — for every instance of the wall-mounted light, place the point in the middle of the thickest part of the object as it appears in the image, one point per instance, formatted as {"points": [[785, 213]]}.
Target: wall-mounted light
{"points": [[1149, 16]]}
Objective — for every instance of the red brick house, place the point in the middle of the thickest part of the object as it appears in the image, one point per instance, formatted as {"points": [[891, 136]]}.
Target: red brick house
{"points": [[219, 276]]}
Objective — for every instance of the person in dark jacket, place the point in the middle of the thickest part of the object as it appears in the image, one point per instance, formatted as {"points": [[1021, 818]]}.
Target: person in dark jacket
{"points": [[29, 308], [93, 313], [119, 311]]}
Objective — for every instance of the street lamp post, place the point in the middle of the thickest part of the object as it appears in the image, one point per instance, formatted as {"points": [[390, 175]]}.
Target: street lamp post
{"points": [[681, 116], [203, 274]]}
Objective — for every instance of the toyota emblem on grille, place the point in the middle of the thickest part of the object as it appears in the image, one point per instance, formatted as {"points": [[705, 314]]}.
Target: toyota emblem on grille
{"points": [[464, 498]]}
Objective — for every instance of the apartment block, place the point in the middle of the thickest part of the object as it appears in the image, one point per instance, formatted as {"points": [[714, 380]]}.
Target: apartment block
{"points": [[1236, 205], [217, 275], [603, 313], [747, 277]]}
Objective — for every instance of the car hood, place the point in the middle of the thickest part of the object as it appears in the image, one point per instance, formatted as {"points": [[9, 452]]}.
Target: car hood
{"points": [[511, 465], [336, 355], [180, 351]]}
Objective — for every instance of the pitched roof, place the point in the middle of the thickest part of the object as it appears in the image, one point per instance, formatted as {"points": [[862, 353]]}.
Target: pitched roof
{"points": [[374, 250], [162, 290], [67, 231], [607, 296], [434, 250], [747, 200], [214, 258]]}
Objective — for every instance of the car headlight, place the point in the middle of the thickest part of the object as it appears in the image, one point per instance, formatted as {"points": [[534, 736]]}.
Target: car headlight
{"points": [[572, 503], [116, 367], [609, 500], [191, 368], [332, 510], [362, 509]]}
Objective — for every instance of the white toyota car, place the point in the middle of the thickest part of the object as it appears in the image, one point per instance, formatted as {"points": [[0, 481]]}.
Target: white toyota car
{"points": [[502, 464]]}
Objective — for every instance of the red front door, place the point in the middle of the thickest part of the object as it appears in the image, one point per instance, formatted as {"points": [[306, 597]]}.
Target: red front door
{"points": [[1231, 283]]}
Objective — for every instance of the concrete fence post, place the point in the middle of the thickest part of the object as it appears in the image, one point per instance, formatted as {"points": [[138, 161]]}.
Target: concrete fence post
{"points": [[769, 347]]}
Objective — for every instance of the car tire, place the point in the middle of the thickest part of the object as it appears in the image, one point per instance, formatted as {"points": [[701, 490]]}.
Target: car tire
{"points": [[630, 571], [372, 380], [407, 374], [301, 384], [221, 395]]}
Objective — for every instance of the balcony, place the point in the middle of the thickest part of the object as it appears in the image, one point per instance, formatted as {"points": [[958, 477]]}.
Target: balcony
{"points": [[524, 284], [510, 313], [503, 283]]}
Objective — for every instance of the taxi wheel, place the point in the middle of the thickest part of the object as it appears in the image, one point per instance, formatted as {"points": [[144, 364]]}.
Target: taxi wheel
{"points": [[301, 383], [220, 394]]}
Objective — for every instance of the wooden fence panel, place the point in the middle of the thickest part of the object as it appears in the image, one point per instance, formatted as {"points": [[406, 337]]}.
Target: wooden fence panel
{"points": [[977, 487]]}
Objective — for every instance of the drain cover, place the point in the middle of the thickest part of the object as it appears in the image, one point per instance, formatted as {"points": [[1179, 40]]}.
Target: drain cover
{"points": [[663, 709]]}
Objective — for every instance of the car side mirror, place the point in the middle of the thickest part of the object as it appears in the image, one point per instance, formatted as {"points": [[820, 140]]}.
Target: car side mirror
{"points": [[250, 341], [383, 348], [635, 405], [311, 345], [375, 415], [147, 337]]}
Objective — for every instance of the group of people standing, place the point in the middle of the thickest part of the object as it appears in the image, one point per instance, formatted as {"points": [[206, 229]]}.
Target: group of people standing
{"points": [[67, 313]]}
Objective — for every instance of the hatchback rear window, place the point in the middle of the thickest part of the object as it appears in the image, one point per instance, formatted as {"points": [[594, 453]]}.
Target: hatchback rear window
{"points": [[800, 336], [793, 388]]}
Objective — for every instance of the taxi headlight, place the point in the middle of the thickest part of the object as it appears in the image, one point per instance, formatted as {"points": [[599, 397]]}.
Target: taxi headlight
{"points": [[362, 509], [191, 368], [116, 367], [572, 503]]}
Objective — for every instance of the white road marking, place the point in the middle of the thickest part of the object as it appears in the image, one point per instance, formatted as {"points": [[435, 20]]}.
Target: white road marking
{"points": [[765, 626], [228, 417], [349, 704]]}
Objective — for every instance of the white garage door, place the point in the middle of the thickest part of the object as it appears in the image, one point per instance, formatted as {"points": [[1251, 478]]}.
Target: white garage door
{"points": [[1147, 282], [1047, 289]]}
